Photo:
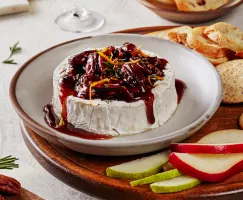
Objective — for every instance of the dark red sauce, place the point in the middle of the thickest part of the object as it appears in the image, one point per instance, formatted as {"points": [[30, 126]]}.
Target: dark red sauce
{"points": [[180, 89], [129, 77], [52, 120]]}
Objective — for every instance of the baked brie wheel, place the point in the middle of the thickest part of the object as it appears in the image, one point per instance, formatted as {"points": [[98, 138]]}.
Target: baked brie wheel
{"points": [[114, 91]]}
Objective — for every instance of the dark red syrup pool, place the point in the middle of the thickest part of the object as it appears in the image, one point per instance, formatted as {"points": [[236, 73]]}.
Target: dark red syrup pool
{"points": [[123, 74]]}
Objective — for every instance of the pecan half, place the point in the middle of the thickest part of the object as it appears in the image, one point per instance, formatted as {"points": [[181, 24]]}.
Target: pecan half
{"points": [[9, 185]]}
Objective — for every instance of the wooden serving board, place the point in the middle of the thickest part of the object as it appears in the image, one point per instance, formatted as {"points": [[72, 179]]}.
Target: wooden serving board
{"points": [[86, 173], [24, 195]]}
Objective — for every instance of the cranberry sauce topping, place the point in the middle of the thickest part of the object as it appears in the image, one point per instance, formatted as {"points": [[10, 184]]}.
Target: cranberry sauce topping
{"points": [[180, 89], [52, 120], [124, 73]]}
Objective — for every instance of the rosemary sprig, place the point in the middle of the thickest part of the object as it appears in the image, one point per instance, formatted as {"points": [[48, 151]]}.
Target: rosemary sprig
{"points": [[13, 50], [8, 163]]}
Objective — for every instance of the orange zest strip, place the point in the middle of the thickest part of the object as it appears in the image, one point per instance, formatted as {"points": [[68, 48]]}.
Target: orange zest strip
{"points": [[133, 61], [105, 56], [115, 79], [142, 54], [61, 123], [104, 50], [111, 56], [156, 77], [94, 84]]}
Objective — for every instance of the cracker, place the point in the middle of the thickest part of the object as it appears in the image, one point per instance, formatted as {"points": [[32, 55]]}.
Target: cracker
{"points": [[164, 33], [199, 5], [226, 36], [241, 121], [198, 41], [231, 74]]}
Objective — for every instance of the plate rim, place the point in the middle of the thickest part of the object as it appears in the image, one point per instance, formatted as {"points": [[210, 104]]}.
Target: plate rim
{"points": [[212, 109]]}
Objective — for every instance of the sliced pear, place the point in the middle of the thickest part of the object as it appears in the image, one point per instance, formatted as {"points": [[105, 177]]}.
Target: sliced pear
{"points": [[157, 177], [174, 185], [219, 142], [229, 136], [208, 167], [139, 168], [167, 166]]}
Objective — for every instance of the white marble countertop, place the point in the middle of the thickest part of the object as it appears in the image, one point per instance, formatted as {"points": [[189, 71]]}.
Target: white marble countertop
{"points": [[36, 31]]}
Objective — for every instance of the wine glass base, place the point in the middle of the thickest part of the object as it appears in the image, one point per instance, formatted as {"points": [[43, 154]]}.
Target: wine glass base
{"points": [[80, 22]]}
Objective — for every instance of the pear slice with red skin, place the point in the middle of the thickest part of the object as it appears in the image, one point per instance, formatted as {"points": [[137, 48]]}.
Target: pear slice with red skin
{"points": [[208, 167], [219, 142], [206, 148]]}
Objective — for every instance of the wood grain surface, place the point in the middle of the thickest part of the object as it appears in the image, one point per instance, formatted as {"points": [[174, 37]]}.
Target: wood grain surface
{"points": [[24, 195], [86, 173]]}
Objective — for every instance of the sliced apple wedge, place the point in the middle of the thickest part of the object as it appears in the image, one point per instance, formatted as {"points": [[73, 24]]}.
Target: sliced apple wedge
{"points": [[157, 177], [208, 167], [139, 168], [219, 142], [174, 185], [206, 148], [229, 136]]}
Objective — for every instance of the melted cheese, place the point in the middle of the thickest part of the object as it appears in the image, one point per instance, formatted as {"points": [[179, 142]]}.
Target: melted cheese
{"points": [[117, 117]]}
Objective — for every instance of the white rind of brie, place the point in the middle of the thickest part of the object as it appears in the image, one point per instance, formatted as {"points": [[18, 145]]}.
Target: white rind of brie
{"points": [[117, 117]]}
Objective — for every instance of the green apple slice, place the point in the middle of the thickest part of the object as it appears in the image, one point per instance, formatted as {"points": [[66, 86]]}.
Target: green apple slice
{"points": [[157, 177], [139, 168], [177, 184]]}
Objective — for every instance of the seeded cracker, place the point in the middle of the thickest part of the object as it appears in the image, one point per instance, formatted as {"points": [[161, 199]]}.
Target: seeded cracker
{"points": [[231, 74]]}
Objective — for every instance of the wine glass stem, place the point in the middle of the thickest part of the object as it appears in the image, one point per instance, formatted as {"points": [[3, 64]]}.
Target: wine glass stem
{"points": [[80, 11]]}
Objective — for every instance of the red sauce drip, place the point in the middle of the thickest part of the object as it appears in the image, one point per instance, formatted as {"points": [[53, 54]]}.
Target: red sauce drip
{"points": [[149, 103], [52, 120], [66, 85], [180, 89]]}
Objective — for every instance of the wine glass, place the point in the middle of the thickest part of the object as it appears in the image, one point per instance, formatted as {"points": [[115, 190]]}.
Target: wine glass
{"points": [[79, 19]]}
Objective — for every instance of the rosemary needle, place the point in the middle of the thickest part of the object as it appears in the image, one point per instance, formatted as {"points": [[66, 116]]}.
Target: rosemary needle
{"points": [[8, 163], [13, 50]]}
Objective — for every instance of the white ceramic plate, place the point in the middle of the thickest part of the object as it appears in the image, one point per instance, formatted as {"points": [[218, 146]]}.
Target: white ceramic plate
{"points": [[31, 90]]}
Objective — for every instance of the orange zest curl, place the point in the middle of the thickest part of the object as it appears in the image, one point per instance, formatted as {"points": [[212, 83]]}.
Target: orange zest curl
{"points": [[133, 61], [61, 122], [155, 77], [105, 57], [94, 84]]}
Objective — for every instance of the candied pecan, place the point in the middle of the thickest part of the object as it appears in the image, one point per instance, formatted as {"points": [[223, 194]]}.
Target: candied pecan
{"points": [[9, 185]]}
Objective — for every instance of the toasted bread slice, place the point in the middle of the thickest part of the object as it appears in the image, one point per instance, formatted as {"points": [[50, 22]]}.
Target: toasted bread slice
{"points": [[198, 41], [231, 74], [199, 5], [164, 33], [169, 2], [226, 36], [179, 38], [217, 61]]}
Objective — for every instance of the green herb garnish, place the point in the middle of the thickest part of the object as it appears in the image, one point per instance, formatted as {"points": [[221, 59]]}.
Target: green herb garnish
{"points": [[109, 70], [108, 64], [8, 163], [13, 50], [116, 74]]}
